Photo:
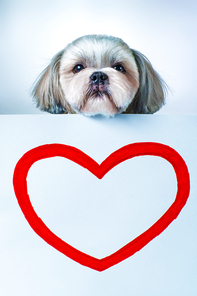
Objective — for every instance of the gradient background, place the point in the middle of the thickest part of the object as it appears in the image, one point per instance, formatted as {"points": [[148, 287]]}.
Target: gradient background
{"points": [[33, 31]]}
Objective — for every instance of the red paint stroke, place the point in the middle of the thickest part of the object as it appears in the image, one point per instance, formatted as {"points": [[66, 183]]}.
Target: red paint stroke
{"points": [[77, 156]]}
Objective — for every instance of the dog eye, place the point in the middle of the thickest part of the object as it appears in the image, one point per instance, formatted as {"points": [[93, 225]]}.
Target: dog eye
{"points": [[78, 68], [119, 68]]}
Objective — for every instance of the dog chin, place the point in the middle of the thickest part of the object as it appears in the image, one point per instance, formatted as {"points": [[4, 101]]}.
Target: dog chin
{"points": [[97, 104]]}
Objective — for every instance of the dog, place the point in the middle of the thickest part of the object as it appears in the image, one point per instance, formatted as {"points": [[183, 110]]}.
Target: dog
{"points": [[99, 74]]}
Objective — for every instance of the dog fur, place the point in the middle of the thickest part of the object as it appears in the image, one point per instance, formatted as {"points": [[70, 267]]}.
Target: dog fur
{"points": [[99, 74]]}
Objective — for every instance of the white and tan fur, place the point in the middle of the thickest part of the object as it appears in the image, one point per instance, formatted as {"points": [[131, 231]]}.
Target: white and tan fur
{"points": [[99, 74]]}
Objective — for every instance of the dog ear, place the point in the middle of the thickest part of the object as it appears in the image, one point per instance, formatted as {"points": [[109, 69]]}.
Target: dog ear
{"points": [[150, 96], [47, 91]]}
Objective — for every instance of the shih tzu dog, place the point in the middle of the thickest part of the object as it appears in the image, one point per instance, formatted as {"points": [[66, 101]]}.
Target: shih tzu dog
{"points": [[99, 74]]}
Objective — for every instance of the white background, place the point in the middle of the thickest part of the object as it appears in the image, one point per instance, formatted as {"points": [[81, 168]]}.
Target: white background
{"points": [[97, 216], [33, 31]]}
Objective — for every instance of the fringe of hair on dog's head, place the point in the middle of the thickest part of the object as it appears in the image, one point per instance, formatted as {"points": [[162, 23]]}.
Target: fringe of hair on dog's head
{"points": [[47, 91], [150, 96]]}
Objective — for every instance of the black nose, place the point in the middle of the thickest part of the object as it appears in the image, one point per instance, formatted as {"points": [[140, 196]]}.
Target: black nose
{"points": [[98, 77]]}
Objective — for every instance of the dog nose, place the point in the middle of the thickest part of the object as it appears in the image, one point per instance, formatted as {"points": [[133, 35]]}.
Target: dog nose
{"points": [[98, 77]]}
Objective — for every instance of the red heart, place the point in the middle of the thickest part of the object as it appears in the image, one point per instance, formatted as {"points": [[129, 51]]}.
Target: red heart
{"points": [[76, 155]]}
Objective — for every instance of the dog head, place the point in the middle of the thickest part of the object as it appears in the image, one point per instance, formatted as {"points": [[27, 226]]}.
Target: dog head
{"points": [[99, 74]]}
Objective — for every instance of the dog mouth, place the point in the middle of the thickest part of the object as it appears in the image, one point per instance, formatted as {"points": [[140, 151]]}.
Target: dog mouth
{"points": [[97, 92], [99, 95], [99, 88], [98, 100]]}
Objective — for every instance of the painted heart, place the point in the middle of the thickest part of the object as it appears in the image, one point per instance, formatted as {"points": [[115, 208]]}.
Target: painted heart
{"points": [[77, 156]]}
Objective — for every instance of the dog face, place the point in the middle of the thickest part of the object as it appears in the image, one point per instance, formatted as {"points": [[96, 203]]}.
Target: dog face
{"points": [[98, 74]]}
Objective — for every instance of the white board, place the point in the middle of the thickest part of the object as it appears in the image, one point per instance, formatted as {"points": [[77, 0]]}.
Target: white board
{"points": [[97, 217]]}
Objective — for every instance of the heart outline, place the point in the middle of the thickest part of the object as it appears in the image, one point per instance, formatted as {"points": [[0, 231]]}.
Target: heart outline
{"points": [[126, 152]]}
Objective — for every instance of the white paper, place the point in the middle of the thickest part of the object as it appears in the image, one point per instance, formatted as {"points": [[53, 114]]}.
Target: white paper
{"points": [[96, 216]]}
